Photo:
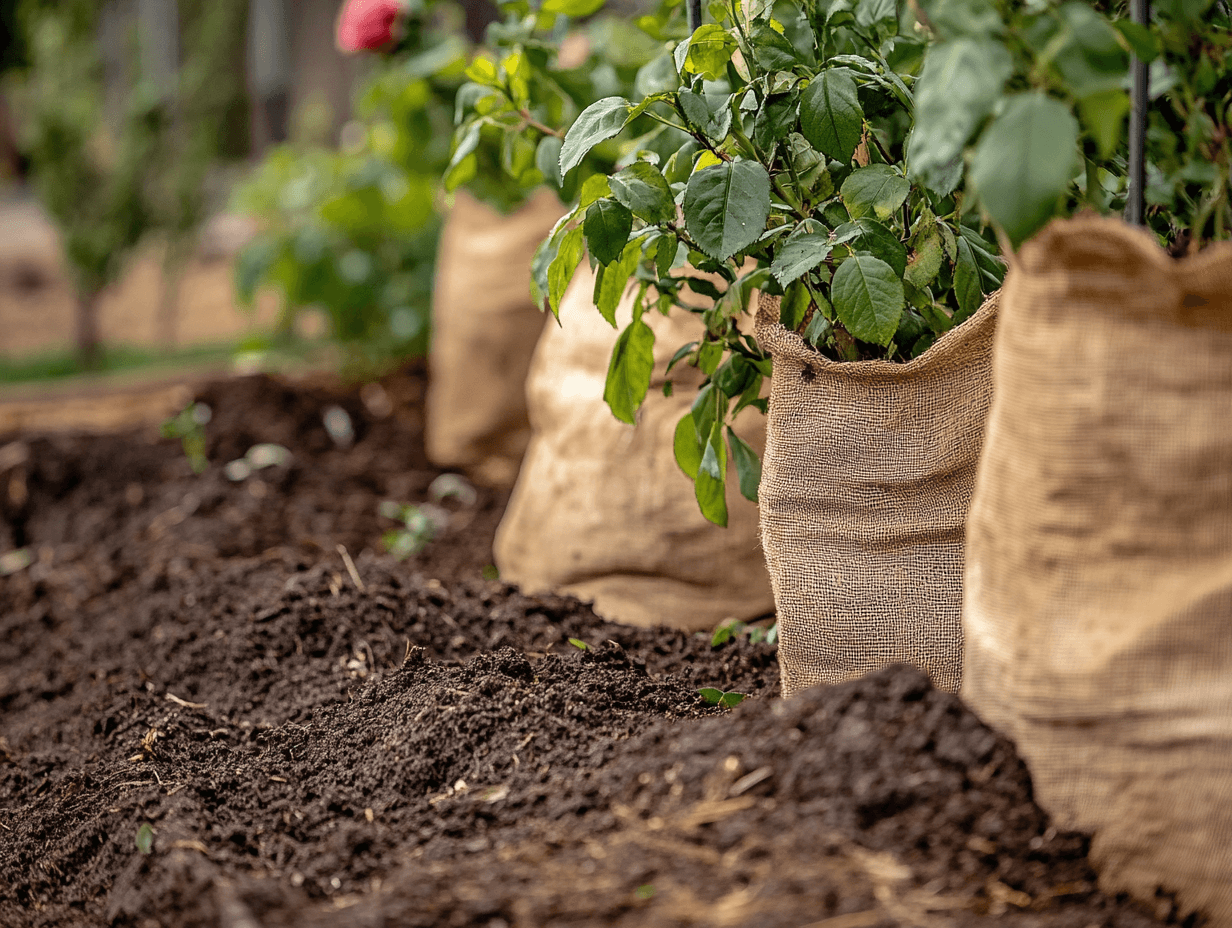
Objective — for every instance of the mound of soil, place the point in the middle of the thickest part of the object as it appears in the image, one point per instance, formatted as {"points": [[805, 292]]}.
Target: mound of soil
{"points": [[222, 706]]}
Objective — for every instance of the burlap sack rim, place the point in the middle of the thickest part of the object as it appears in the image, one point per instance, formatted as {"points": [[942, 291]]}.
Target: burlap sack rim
{"points": [[773, 336], [1083, 248]]}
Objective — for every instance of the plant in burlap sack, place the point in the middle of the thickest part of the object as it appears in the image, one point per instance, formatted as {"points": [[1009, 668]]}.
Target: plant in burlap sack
{"points": [[774, 159], [1029, 102]]}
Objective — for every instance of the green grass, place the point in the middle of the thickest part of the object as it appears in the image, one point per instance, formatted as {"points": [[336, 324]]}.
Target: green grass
{"points": [[60, 365]]}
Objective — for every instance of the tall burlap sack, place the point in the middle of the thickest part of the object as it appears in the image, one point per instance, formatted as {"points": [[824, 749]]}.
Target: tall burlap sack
{"points": [[868, 470], [485, 329], [1098, 603], [601, 509]]}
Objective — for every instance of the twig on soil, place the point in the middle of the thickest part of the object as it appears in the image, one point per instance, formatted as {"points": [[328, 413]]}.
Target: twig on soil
{"points": [[350, 566], [171, 697]]}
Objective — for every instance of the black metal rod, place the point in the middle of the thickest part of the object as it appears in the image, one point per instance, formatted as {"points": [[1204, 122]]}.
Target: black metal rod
{"points": [[1140, 101], [695, 15]]}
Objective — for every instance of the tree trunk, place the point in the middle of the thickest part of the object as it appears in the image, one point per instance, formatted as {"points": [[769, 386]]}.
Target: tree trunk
{"points": [[87, 330]]}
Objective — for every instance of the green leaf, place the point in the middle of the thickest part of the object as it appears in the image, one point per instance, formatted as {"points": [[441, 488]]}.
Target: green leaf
{"points": [[964, 18], [710, 485], [721, 635], [575, 8], [665, 254], [967, 288], [708, 112], [643, 190], [868, 298], [794, 306], [568, 256], [1103, 115], [925, 264], [579, 644], [868, 236], [873, 11], [145, 838], [598, 122], [772, 50], [733, 375], [1138, 39], [466, 141], [961, 82], [628, 374], [607, 226], [611, 280], [830, 114], [1092, 60], [710, 49], [688, 447], [748, 465], [1025, 162], [711, 695], [547, 160], [877, 189], [726, 206], [776, 117], [731, 700], [804, 249]]}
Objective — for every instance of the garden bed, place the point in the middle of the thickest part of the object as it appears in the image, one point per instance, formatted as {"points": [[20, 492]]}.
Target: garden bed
{"points": [[211, 714]]}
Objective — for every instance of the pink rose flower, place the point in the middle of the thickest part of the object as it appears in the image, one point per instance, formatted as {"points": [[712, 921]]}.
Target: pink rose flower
{"points": [[369, 25]]}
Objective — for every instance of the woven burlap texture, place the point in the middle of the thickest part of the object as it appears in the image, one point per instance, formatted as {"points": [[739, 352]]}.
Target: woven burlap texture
{"points": [[1098, 604], [868, 470], [485, 329], [601, 509]]}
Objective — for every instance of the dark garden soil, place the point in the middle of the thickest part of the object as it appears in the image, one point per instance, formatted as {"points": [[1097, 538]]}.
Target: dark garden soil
{"points": [[213, 715]]}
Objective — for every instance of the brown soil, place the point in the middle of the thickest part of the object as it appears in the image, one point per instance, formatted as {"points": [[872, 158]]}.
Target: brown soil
{"points": [[416, 745]]}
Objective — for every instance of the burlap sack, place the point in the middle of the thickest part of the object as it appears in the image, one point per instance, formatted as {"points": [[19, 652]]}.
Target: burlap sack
{"points": [[868, 469], [1098, 602], [602, 510], [485, 328]]}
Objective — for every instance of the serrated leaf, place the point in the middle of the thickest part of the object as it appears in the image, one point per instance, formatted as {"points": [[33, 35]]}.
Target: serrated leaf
{"points": [[688, 447], [568, 256], [806, 248], [876, 190], [600, 121], [607, 226], [869, 12], [628, 373], [868, 236], [772, 49], [709, 50], [925, 264], [643, 190], [748, 465], [776, 117], [831, 117], [1024, 163], [960, 83], [710, 486], [868, 298], [709, 113], [726, 207]]}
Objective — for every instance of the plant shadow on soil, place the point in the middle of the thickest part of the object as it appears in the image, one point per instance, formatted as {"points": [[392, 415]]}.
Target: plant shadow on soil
{"points": [[427, 749]]}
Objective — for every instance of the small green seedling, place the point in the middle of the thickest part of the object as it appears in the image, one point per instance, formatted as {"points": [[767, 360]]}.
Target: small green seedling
{"points": [[420, 525], [491, 572], [644, 892], [189, 427], [717, 697], [258, 457], [729, 628], [14, 561], [145, 838], [579, 644]]}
